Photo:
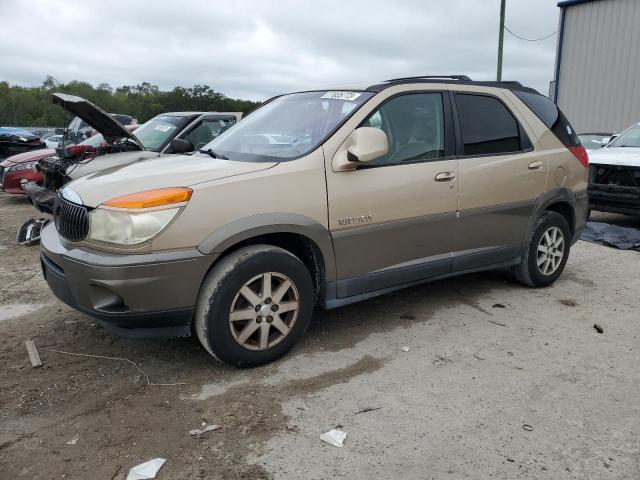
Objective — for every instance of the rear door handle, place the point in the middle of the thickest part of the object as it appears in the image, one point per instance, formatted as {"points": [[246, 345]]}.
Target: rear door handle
{"points": [[535, 165], [445, 176]]}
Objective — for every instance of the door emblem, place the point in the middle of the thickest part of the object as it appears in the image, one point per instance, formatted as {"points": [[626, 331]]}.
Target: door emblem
{"points": [[355, 220]]}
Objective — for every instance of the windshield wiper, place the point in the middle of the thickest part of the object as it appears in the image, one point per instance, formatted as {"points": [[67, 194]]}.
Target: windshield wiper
{"points": [[213, 154]]}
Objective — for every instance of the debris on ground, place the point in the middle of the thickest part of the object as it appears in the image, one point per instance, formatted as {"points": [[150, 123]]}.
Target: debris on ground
{"points": [[121, 359], [368, 409], [527, 427], [146, 470], [568, 302], [196, 432], [479, 357], [610, 235], [496, 323], [333, 437], [598, 328], [441, 360], [405, 349], [408, 316], [74, 440], [499, 305], [33, 354]]}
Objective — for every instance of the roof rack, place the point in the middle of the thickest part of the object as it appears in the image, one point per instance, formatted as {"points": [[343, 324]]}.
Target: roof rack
{"points": [[450, 77]]}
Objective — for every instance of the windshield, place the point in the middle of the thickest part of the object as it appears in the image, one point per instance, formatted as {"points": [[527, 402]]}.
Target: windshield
{"points": [[158, 131], [288, 127], [628, 138], [592, 141]]}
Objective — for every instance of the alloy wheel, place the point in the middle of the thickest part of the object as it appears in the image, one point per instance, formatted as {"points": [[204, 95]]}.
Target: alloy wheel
{"points": [[263, 311], [550, 251]]}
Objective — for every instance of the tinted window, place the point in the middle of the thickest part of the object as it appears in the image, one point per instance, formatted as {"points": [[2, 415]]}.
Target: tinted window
{"points": [[551, 116], [487, 127], [414, 125]]}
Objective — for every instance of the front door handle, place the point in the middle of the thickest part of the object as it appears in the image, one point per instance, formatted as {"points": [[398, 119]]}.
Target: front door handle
{"points": [[445, 177], [535, 165]]}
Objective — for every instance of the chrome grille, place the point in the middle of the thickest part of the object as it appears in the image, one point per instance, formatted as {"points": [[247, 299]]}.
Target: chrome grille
{"points": [[72, 221]]}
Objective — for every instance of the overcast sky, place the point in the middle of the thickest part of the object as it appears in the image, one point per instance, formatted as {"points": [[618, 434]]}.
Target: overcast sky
{"points": [[254, 49]]}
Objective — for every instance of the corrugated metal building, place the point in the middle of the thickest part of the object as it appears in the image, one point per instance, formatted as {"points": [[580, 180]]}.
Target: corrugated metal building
{"points": [[597, 75]]}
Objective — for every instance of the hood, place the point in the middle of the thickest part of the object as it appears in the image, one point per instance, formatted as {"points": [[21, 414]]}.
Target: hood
{"points": [[624, 156], [14, 134], [161, 172], [30, 156], [93, 115]]}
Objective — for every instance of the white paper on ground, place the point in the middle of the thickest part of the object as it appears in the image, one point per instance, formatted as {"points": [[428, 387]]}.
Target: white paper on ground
{"points": [[199, 431], [334, 437], [146, 470]]}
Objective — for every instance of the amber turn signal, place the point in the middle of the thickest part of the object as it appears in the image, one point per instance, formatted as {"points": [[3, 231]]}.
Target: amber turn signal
{"points": [[152, 198]]}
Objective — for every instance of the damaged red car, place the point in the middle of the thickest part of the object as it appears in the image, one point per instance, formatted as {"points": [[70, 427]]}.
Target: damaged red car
{"points": [[19, 169]]}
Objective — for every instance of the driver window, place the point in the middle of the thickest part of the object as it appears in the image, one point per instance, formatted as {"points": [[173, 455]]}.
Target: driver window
{"points": [[414, 125], [207, 130]]}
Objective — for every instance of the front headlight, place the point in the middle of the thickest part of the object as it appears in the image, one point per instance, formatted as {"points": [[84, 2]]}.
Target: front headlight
{"points": [[22, 166], [128, 228], [138, 217]]}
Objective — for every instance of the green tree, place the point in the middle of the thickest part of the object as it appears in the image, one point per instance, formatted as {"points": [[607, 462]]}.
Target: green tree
{"points": [[32, 106]]}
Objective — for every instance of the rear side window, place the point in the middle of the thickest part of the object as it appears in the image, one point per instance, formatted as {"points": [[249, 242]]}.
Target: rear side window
{"points": [[486, 125], [551, 116]]}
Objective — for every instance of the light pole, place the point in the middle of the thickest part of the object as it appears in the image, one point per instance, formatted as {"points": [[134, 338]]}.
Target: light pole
{"points": [[500, 40]]}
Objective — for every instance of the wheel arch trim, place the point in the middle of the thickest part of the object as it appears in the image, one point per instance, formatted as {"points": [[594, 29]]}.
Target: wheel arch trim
{"points": [[272, 223]]}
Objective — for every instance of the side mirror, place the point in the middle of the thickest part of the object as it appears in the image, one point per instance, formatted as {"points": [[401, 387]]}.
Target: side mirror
{"points": [[605, 141], [365, 144], [180, 145]]}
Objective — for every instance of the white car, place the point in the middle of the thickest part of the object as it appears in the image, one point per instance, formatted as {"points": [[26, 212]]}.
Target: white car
{"points": [[53, 141], [614, 174]]}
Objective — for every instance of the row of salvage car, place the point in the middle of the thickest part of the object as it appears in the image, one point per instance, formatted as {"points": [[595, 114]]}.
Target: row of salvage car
{"points": [[40, 172]]}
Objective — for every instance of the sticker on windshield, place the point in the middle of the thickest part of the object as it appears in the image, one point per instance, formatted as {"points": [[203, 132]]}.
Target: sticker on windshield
{"points": [[163, 128], [341, 95]]}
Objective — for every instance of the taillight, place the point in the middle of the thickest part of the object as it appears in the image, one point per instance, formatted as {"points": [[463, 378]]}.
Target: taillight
{"points": [[581, 154]]}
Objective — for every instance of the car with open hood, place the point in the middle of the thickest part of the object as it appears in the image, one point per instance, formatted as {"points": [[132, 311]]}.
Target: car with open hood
{"points": [[174, 132], [321, 198], [614, 174]]}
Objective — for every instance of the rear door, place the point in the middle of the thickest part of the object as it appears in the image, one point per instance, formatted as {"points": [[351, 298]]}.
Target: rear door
{"points": [[501, 178]]}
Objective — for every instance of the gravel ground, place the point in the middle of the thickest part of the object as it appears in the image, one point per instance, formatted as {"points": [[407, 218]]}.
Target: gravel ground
{"points": [[499, 381]]}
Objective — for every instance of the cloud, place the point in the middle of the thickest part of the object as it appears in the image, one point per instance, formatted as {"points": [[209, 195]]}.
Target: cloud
{"points": [[252, 49]]}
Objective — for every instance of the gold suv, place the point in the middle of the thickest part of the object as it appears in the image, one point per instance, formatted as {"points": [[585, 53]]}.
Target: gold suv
{"points": [[322, 198]]}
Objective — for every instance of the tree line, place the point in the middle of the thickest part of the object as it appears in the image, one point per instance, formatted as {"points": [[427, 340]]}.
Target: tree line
{"points": [[32, 107]]}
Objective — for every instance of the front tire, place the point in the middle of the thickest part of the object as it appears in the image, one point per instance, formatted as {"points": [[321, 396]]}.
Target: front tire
{"points": [[254, 305], [546, 253]]}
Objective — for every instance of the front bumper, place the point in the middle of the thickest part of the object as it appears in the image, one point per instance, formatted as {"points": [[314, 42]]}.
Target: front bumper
{"points": [[614, 198], [152, 293]]}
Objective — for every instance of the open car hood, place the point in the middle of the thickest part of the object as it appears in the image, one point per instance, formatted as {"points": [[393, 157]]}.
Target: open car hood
{"points": [[93, 115]]}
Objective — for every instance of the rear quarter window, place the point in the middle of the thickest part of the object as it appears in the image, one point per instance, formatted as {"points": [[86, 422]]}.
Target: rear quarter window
{"points": [[549, 113]]}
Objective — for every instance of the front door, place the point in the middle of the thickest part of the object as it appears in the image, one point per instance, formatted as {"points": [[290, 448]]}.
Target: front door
{"points": [[501, 178], [393, 220]]}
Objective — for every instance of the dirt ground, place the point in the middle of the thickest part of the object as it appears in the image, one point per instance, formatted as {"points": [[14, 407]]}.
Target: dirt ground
{"points": [[499, 381]]}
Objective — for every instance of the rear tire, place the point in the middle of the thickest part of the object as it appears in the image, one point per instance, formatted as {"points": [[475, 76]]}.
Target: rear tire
{"points": [[546, 253], [254, 305]]}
